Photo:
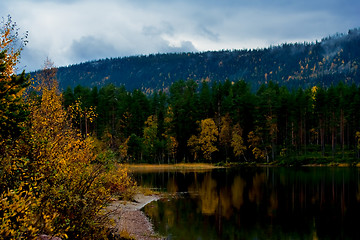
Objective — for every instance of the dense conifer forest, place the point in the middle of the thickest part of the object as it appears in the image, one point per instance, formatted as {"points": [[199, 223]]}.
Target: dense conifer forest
{"points": [[329, 61], [291, 104], [223, 121]]}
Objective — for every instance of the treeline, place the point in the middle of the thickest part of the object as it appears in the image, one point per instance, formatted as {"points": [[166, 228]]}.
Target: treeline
{"points": [[326, 62], [221, 122]]}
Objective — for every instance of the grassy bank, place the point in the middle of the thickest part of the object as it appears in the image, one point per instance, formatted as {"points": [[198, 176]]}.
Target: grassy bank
{"points": [[170, 167], [285, 162]]}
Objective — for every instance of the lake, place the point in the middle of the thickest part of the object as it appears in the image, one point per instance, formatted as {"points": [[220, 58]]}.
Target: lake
{"points": [[256, 203]]}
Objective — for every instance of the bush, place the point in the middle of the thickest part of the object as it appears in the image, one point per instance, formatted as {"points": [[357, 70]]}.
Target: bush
{"points": [[53, 181]]}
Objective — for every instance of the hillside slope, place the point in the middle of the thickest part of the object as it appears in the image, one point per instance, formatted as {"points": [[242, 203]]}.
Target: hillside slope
{"points": [[327, 62]]}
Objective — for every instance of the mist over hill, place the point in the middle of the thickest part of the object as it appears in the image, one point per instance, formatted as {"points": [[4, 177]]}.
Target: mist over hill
{"points": [[333, 59]]}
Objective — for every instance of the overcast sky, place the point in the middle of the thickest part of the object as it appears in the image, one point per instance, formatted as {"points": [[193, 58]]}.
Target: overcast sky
{"points": [[74, 31]]}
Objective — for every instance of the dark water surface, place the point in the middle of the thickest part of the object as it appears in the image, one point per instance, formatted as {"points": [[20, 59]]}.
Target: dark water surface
{"points": [[257, 203]]}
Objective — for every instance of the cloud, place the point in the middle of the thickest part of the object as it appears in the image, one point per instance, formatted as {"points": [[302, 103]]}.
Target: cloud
{"points": [[91, 48], [207, 33], [183, 46], [162, 39], [32, 59], [163, 28]]}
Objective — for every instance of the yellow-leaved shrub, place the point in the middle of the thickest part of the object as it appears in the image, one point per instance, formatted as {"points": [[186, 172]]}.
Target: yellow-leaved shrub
{"points": [[55, 184]]}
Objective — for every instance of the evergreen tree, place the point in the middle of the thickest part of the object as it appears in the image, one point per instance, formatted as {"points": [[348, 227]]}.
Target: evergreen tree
{"points": [[12, 86]]}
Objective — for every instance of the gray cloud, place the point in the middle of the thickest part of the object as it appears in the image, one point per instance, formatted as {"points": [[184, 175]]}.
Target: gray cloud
{"points": [[163, 28], [31, 59], [207, 33], [156, 37], [91, 48], [184, 46]]}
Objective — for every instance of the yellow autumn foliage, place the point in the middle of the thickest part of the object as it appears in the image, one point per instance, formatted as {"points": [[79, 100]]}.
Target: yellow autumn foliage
{"points": [[8, 38], [55, 183], [150, 132], [17, 220], [259, 150], [357, 137], [206, 140], [237, 142]]}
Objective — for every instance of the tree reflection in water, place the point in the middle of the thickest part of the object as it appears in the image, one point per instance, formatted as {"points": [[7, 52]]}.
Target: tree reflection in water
{"points": [[259, 203]]}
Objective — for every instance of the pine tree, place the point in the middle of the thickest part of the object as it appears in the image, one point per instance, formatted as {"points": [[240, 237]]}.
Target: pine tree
{"points": [[12, 86]]}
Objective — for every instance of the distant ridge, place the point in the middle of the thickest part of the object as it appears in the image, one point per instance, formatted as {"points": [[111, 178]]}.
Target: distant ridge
{"points": [[334, 59]]}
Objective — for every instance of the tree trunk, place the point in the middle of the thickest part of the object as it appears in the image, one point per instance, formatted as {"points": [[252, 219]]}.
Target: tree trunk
{"points": [[322, 137], [333, 140], [86, 126], [342, 134]]}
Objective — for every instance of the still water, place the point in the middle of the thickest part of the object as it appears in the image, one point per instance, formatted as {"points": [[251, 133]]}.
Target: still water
{"points": [[256, 203]]}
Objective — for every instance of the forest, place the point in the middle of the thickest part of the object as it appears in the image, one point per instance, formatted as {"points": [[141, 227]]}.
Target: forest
{"points": [[327, 62], [223, 122]]}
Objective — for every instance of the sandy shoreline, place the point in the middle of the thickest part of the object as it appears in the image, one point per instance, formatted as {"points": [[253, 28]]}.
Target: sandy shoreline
{"points": [[128, 217]]}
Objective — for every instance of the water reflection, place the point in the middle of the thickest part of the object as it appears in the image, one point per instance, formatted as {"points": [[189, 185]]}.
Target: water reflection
{"points": [[257, 203], [208, 194], [237, 190]]}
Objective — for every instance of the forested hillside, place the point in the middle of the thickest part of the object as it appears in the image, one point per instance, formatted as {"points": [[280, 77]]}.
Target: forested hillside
{"points": [[323, 63]]}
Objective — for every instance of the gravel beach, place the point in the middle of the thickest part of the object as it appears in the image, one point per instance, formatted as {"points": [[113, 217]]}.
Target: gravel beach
{"points": [[128, 217]]}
